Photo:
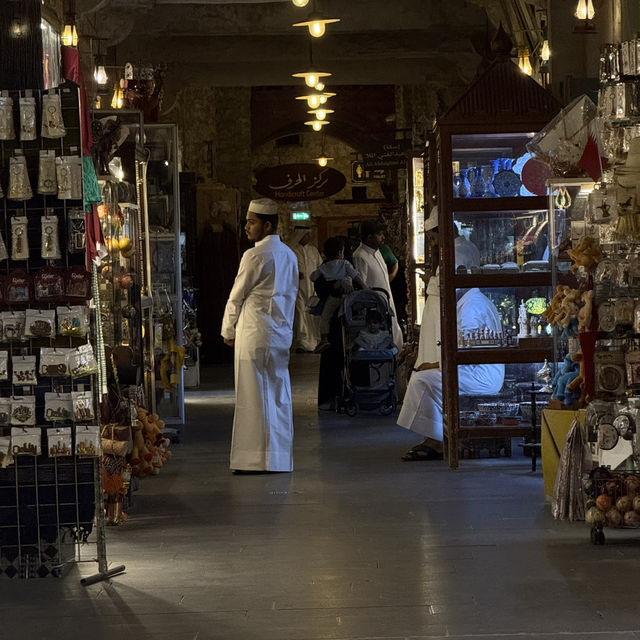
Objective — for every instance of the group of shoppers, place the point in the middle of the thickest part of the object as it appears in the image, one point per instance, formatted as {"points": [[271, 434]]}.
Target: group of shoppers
{"points": [[273, 282]]}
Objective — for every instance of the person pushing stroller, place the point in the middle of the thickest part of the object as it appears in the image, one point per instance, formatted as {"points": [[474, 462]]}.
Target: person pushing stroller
{"points": [[335, 269]]}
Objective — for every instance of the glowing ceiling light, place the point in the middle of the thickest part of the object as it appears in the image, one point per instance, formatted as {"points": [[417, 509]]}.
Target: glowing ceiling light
{"points": [[70, 36], [523, 61], [316, 125], [320, 114], [316, 24], [311, 77], [300, 3], [323, 160], [100, 75], [314, 100], [545, 52], [319, 86], [585, 10]]}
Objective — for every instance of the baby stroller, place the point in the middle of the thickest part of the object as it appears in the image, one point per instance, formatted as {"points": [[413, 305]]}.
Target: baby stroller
{"points": [[368, 380]]}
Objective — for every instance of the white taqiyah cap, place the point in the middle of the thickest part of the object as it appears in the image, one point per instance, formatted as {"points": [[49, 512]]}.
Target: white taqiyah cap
{"points": [[432, 221], [264, 206]]}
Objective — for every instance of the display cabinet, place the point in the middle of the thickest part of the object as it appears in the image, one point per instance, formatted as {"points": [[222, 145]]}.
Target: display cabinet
{"points": [[165, 245], [494, 240]]}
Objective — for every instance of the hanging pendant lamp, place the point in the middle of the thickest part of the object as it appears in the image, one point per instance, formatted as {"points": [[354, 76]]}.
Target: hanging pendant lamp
{"points": [[311, 77]]}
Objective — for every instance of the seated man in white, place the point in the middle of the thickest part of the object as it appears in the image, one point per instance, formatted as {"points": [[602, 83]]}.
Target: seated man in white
{"points": [[422, 405]]}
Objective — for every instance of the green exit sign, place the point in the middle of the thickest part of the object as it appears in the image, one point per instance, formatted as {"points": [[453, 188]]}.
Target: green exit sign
{"points": [[300, 215]]}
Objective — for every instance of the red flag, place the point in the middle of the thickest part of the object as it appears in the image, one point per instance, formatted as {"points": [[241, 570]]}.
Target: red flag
{"points": [[593, 160]]}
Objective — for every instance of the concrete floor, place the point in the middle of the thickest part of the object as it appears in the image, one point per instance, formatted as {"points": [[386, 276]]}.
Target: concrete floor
{"points": [[354, 544]]}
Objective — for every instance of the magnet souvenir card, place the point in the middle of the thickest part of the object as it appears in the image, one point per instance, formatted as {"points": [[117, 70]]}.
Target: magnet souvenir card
{"points": [[49, 285], [13, 326], [59, 442], [87, 441], [24, 370], [4, 365], [77, 228], [58, 407], [54, 362], [82, 402], [28, 117], [7, 131], [73, 321], [40, 323], [26, 442], [19, 185], [52, 122], [23, 410]]}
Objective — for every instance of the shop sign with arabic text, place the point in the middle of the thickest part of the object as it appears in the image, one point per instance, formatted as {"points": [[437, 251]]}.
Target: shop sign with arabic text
{"points": [[304, 181]]}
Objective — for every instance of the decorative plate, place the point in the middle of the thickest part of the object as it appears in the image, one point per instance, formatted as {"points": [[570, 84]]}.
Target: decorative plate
{"points": [[507, 184], [607, 436]]}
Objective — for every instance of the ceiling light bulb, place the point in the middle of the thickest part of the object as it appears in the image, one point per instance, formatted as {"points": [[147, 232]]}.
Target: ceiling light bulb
{"points": [[311, 80], [320, 114], [319, 86], [323, 161], [300, 3], [313, 101], [585, 10], [323, 98], [100, 75], [316, 125], [67, 36], [311, 77], [316, 24], [317, 29], [545, 52]]}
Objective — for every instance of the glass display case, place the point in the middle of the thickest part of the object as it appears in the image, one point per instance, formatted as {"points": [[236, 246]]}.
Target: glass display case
{"points": [[495, 272], [165, 243]]}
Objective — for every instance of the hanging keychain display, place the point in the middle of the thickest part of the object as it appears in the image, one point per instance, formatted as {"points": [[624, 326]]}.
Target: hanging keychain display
{"points": [[40, 323], [57, 407], [19, 185], [50, 246], [23, 410], [82, 402], [7, 131], [77, 240], [25, 441], [54, 362], [28, 117], [47, 183], [4, 365], [24, 370], [87, 441], [69, 175], [52, 122], [19, 238], [3, 249], [59, 442]]}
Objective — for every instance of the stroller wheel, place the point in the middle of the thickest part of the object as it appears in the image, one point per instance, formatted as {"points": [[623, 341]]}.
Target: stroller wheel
{"points": [[387, 407], [351, 409]]}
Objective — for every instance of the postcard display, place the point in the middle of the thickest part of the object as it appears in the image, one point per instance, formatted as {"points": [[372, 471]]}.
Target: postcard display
{"points": [[49, 434]]}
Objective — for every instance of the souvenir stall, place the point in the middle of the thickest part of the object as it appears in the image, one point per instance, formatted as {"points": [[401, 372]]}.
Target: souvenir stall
{"points": [[596, 306]]}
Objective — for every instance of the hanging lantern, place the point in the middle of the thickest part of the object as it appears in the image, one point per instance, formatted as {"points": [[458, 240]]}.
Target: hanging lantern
{"points": [[314, 100], [585, 10], [523, 61], [316, 24], [70, 36], [100, 75], [545, 51], [323, 160]]}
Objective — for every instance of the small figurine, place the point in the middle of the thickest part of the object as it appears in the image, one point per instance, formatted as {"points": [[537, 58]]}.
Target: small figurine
{"points": [[522, 321]]}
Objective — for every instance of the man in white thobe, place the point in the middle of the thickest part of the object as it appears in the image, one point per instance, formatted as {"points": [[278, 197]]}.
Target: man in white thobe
{"points": [[306, 328], [369, 262], [258, 323], [422, 405]]}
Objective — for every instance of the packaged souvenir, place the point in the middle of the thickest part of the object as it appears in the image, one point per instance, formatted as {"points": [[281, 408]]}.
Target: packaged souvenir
{"points": [[73, 321], [28, 118], [609, 373], [632, 360], [78, 284], [5, 452], [82, 402], [7, 131], [19, 185], [54, 362], [23, 410], [606, 271], [13, 325], [24, 370], [50, 247], [5, 412], [77, 240], [3, 249], [623, 311], [49, 285], [57, 407], [82, 361], [69, 175], [40, 323], [17, 287], [4, 365], [87, 441], [59, 441], [25, 442], [19, 238], [606, 317], [47, 183], [52, 122]]}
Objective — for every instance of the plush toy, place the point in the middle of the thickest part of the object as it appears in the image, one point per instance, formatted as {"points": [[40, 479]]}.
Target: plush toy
{"points": [[586, 311], [154, 442], [140, 457], [586, 253], [567, 373], [563, 308], [578, 383]]}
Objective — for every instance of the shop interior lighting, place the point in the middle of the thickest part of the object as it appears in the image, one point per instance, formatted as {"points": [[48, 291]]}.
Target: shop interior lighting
{"points": [[314, 100], [323, 160], [300, 3], [100, 75], [585, 10], [319, 86], [545, 51], [320, 114], [316, 125], [523, 60], [317, 24], [70, 36], [311, 77]]}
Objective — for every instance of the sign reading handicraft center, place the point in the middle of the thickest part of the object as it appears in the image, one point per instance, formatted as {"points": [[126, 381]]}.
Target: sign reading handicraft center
{"points": [[304, 181]]}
